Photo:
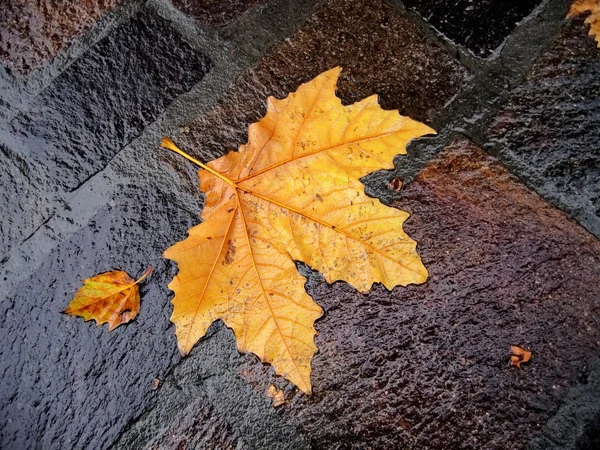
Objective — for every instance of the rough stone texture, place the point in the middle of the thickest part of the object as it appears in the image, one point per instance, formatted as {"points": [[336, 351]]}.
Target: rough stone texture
{"points": [[549, 130], [34, 31], [480, 25], [380, 50], [70, 384], [206, 404], [107, 98], [23, 208], [195, 425], [576, 425], [215, 12], [425, 367]]}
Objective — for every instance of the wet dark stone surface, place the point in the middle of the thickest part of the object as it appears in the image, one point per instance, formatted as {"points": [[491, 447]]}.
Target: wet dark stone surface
{"points": [[425, 367], [23, 207], [106, 99], [34, 31], [576, 425], [481, 25], [549, 129], [70, 384], [206, 403], [215, 12], [380, 51]]}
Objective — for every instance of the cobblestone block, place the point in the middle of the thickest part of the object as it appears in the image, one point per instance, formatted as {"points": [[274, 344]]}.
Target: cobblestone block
{"points": [[106, 99], [215, 12], [71, 384], [24, 208], [32, 32], [427, 366], [548, 131], [481, 26]]}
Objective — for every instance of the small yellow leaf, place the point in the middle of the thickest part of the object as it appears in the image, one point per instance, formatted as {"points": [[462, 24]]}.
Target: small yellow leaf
{"points": [[293, 192], [112, 297], [593, 20]]}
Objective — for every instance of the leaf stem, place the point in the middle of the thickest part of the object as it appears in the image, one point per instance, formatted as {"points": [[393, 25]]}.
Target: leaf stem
{"points": [[168, 143]]}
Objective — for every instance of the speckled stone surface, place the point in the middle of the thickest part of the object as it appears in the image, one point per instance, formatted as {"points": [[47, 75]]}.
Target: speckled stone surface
{"points": [[34, 31], [215, 12], [106, 99], [71, 384], [549, 132], [481, 25], [24, 207]]}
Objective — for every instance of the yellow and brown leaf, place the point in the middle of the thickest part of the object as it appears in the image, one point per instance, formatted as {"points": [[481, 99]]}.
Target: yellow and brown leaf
{"points": [[592, 7], [293, 192], [112, 297]]}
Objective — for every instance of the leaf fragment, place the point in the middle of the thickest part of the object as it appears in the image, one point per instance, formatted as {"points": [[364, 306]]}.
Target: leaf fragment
{"points": [[293, 193], [579, 7], [519, 355], [277, 395], [112, 297]]}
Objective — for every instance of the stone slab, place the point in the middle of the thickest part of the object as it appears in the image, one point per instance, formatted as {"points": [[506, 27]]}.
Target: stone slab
{"points": [[106, 99], [381, 52], [548, 131], [23, 208], [32, 32], [215, 12], [481, 26], [67, 383], [426, 367]]}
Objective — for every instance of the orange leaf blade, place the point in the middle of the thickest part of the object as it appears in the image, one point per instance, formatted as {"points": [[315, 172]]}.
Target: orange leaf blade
{"points": [[110, 297]]}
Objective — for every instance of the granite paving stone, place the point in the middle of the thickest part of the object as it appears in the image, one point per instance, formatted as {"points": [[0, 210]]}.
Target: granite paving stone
{"points": [[548, 131], [215, 12], [426, 367], [380, 50], [24, 208], [106, 98], [34, 31], [481, 25], [71, 384]]}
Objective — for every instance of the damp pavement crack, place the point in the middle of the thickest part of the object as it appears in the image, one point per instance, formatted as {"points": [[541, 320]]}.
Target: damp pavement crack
{"points": [[37, 229]]}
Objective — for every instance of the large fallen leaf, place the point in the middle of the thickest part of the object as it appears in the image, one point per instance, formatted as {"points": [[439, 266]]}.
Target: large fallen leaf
{"points": [[112, 297], [593, 20], [293, 193]]}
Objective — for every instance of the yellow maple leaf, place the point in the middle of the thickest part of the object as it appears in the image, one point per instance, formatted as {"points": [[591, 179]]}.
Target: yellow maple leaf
{"points": [[593, 20], [293, 192], [112, 297]]}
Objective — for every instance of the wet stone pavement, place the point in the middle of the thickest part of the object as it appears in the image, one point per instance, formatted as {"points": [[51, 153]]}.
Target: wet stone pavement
{"points": [[504, 202]]}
